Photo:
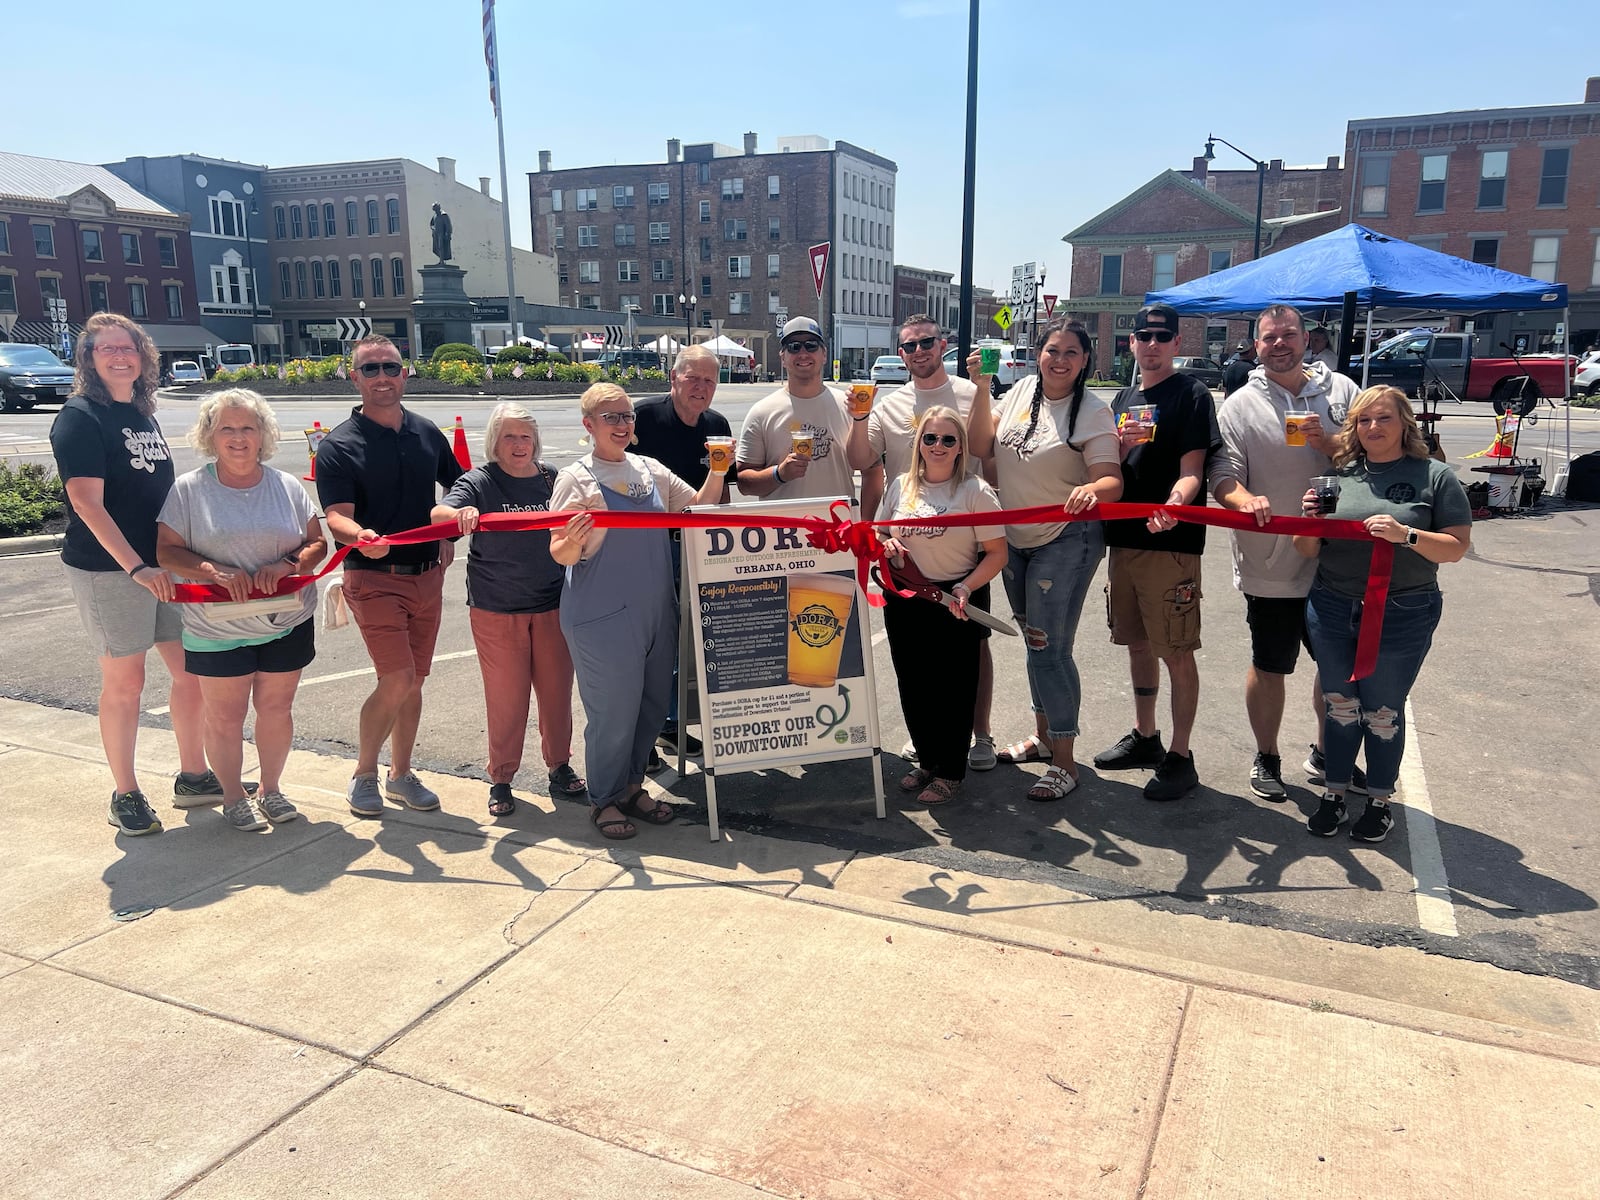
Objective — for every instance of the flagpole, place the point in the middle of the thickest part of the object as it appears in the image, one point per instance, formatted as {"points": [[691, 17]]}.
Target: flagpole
{"points": [[491, 50]]}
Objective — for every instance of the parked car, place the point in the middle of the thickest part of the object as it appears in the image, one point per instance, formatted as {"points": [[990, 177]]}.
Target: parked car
{"points": [[645, 360], [1587, 380], [185, 371], [1205, 370], [1445, 360], [30, 374], [889, 368], [1015, 362]]}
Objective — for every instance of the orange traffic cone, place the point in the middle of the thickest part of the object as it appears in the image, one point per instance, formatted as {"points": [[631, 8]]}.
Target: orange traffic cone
{"points": [[459, 444], [313, 436]]}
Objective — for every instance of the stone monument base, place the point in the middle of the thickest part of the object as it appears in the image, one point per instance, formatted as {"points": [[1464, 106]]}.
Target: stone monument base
{"points": [[442, 311]]}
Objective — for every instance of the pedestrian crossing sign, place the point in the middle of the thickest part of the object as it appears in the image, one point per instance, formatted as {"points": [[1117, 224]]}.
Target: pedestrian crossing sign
{"points": [[1003, 318]]}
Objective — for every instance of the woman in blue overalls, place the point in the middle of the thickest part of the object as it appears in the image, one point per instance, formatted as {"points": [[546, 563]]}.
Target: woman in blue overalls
{"points": [[619, 610]]}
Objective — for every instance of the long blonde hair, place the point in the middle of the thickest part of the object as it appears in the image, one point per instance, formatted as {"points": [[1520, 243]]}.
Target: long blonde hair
{"points": [[1347, 445], [918, 474]]}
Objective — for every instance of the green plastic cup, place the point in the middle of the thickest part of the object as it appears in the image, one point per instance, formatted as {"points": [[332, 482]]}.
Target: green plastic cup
{"points": [[989, 360]]}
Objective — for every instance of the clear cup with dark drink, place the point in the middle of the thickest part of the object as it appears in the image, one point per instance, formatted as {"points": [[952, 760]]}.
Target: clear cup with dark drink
{"points": [[1327, 490]]}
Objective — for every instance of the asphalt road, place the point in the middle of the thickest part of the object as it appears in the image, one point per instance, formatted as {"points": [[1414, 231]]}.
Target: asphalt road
{"points": [[1493, 856]]}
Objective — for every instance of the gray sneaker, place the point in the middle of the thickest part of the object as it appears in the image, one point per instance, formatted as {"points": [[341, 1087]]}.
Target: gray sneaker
{"points": [[982, 757], [241, 814], [276, 808], [411, 792], [364, 797], [202, 790]]}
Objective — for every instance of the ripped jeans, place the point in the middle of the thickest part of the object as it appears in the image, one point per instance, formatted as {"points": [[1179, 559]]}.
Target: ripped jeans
{"points": [[1370, 712], [1047, 586]]}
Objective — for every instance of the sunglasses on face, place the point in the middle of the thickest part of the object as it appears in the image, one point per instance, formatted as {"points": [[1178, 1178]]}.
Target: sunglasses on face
{"points": [[809, 346], [373, 369], [1154, 335], [926, 343], [617, 418], [947, 440]]}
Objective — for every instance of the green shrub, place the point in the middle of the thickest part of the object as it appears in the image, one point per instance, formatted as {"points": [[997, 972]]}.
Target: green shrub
{"points": [[541, 355], [515, 354], [29, 496], [1592, 400], [455, 371], [244, 374], [457, 352]]}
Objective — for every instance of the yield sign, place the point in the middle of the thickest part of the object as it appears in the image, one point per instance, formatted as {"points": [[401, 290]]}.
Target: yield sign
{"points": [[1050, 305], [819, 264]]}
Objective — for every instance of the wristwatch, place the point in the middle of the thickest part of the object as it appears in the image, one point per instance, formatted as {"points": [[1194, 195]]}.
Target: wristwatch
{"points": [[1411, 536]]}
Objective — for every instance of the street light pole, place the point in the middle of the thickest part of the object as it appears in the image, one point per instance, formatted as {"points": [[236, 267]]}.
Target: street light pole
{"points": [[686, 302], [1261, 178], [255, 295]]}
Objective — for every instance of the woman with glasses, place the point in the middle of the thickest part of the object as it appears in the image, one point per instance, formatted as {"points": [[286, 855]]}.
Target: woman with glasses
{"points": [[619, 608], [1383, 477], [935, 646], [114, 461], [241, 525], [514, 602], [1053, 444]]}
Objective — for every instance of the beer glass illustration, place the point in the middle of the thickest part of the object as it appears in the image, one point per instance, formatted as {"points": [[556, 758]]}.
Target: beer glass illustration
{"points": [[820, 607]]}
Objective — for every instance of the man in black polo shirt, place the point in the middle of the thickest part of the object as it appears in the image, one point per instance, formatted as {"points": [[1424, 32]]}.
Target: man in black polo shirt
{"points": [[1153, 596], [376, 474], [673, 430]]}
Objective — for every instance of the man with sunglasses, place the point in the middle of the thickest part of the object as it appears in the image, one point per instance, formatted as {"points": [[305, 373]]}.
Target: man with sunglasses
{"points": [[885, 436], [376, 474], [769, 469], [1167, 427]]}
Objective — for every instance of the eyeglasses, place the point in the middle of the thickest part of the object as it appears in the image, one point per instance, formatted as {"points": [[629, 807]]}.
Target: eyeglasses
{"points": [[926, 343], [1154, 335], [948, 440], [617, 418], [809, 346], [373, 369], [117, 351]]}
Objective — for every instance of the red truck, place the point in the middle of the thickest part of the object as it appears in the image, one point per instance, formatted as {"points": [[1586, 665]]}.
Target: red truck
{"points": [[1445, 362]]}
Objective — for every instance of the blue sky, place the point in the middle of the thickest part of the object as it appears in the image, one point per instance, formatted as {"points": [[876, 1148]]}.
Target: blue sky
{"points": [[1078, 103]]}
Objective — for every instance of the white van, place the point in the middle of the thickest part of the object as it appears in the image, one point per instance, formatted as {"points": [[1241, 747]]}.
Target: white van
{"points": [[235, 354]]}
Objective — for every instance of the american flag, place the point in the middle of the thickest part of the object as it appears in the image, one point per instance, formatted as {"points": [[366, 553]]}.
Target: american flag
{"points": [[490, 53]]}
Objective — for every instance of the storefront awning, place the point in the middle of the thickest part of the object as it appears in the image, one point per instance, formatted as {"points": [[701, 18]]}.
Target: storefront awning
{"points": [[41, 333], [182, 337]]}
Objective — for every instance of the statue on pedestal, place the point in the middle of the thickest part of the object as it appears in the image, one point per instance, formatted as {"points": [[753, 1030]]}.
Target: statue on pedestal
{"points": [[440, 225]]}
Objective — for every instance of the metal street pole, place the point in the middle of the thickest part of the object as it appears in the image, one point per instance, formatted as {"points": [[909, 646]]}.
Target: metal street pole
{"points": [[1261, 179], [492, 45], [968, 193]]}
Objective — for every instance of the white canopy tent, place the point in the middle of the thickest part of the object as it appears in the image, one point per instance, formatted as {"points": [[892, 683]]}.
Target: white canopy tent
{"points": [[663, 345], [724, 347]]}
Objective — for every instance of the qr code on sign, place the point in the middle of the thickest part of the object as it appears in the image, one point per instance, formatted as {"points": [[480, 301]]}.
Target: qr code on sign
{"points": [[858, 735]]}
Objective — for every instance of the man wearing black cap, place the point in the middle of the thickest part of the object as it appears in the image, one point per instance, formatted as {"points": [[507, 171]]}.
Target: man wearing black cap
{"points": [[1168, 427], [1238, 368]]}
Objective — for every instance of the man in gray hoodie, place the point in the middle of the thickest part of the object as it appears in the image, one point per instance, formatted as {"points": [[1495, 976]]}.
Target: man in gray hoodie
{"points": [[1263, 468]]}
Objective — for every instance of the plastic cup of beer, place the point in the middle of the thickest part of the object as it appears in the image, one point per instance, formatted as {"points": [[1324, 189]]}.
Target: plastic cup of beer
{"points": [[819, 615], [1146, 418], [719, 454], [861, 395], [802, 441], [1327, 490], [1294, 427], [989, 360]]}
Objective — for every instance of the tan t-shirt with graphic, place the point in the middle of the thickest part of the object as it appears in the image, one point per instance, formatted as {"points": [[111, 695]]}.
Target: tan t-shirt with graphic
{"points": [[767, 439], [1043, 468]]}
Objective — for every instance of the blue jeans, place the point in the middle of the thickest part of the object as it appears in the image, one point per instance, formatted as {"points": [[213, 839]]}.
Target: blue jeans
{"points": [[1371, 711], [1047, 586]]}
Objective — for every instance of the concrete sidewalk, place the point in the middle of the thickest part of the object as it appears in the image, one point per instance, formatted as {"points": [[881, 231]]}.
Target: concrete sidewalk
{"points": [[431, 1005]]}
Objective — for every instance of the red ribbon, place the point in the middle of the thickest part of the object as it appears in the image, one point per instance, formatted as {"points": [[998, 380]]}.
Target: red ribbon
{"points": [[836, 534]]}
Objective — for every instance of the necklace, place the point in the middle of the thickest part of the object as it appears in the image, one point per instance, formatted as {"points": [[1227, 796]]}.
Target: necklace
{"points": [[1369, 469]]}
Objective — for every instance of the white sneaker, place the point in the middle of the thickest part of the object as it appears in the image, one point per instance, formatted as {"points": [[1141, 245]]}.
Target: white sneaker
{"points": [[909, 751]]}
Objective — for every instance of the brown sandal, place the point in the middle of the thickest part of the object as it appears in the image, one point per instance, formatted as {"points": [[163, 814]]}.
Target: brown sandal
{"points": [[938, 791], [659, 812], [618, 829], [915, 778]]}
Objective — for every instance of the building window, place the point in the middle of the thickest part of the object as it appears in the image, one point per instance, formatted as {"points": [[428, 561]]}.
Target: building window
{"points": [[1221, 260], [44, 241], [130, 249], [329, 223], [1375, 185], [705, 285], [739, 304], [589, 302], [1111, 274], [1286, 208], [1553, 177], [559, 242], [296, 228], [8, 293], [358, 280], [658, 193], [1486, 251], [661, 270], [733, 230], [1546, 255], [372, 218], [377, 277], [588, 200], [703, 172], [588, 235], [1163, 270], [627, 270], [99, 295], [352, 218], [622, 234], [774, 229], [283, 280], [49, 288], [300, 281], [589, 271], [334, 288], [227, 216], [1430, 192], [775, 302], [5, 235], [705, 249], [319, 287], [138, 309], [627, 303], [93, 250], [705, 212], [397, 275], [774, 187], [664, 304], [555, 199], [739, 266], [660, 233], [1594, 269], [622, 196], [167, 251], [772, 266], [392, 207], [313, 221], [733, 189], [277, 222], [1492, 179]]}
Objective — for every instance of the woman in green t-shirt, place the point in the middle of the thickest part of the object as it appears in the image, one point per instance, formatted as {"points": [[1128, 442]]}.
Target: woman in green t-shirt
{"points": [[1388, 483]]}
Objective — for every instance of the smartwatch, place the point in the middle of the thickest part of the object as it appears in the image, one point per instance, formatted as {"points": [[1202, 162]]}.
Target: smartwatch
{"points": [[1411, 536]]}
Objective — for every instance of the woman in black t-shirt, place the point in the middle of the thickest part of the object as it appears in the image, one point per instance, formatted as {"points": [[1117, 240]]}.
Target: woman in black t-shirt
{"points": [[114, 461]]}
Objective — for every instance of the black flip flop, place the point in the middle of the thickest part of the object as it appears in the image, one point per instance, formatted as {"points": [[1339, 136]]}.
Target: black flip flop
{"points": [[613, 828], [659, 813]]}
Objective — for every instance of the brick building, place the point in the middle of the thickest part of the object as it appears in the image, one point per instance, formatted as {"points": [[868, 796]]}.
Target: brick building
{"points": [[75, 232], [729, 231], [1514, 188], [920, 290]]}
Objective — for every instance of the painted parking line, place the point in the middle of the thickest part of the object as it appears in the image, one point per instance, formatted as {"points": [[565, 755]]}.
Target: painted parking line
{"points": [[337, 676], [1435, 913]]}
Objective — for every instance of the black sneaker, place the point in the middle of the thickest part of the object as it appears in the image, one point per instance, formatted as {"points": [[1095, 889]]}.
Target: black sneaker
{"points": [[668, 740], [1316, 769], [1134, 750], [1174, 779], [1266, 777], [1373, 825], [197, 791], [654, 765], [131, 813], [1330, 814]]}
